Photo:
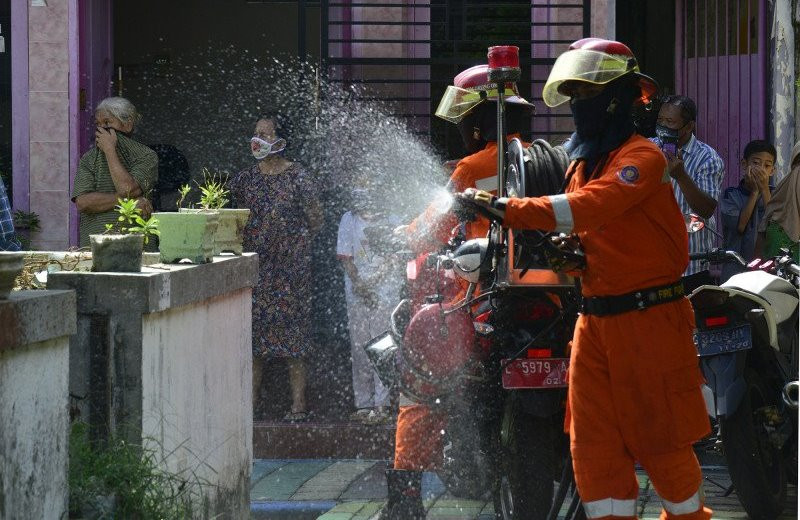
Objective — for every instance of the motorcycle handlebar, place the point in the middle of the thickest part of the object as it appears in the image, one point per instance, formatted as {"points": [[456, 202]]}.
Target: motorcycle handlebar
{"points": [[719, 256]]}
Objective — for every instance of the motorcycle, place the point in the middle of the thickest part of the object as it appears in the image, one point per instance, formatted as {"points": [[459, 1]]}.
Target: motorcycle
{"points": [[747, 344], [495, 361]]}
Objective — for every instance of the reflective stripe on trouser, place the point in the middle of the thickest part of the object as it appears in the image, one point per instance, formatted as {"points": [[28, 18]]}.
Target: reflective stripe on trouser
{"points": [[610, 507], [634, 395], [418, 438]]}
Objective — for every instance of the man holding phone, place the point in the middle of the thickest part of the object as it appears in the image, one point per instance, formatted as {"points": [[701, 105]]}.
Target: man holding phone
{"points": [[696, 171]]}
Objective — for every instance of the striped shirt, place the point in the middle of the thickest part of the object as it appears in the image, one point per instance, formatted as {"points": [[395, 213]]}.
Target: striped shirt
{"points": [[8, 240], [705, 167], [94, 176]]}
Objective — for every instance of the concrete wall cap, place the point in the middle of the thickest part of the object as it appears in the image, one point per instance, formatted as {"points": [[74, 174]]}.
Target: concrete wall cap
{"points": [[28, 317], [159, 286]]}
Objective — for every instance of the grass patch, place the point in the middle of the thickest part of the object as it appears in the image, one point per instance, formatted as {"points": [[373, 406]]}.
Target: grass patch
{"points": [[116, 479]]}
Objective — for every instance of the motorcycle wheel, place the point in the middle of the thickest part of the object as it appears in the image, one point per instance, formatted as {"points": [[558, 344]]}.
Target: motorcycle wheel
{"points": [[756, 466], [524, 480]]}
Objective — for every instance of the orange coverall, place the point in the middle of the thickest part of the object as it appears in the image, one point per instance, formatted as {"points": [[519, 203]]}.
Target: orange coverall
{"points": [[417, 441], [634, 380]]}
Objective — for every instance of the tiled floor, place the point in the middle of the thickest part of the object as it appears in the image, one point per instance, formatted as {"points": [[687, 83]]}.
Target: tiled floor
{"points": [[356, 489]]}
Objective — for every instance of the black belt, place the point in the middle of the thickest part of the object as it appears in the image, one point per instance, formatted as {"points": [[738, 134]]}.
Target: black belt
{"points": [[636, 300]]}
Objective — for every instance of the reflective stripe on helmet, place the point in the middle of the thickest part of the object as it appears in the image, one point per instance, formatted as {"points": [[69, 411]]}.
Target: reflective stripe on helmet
{"points": [[610, 507], [562, 212], [690, 505]]}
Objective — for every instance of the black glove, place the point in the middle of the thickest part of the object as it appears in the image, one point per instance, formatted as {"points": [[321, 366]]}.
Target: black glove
{"points": [[482, 202]]}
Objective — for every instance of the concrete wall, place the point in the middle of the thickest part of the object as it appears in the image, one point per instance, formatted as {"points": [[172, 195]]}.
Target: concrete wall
{"points": [[783, 50], [163, 358], [196, 399], [34, 422]]}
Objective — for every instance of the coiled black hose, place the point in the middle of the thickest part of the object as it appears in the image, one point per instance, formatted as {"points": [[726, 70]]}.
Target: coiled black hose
{"points": [[545, 171], [545, 167]]}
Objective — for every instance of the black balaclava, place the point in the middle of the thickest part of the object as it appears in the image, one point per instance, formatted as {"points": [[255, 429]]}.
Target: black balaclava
{"points": [[603, 122]]}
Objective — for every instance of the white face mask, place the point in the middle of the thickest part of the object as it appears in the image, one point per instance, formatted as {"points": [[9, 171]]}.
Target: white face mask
{"points": [[262, 148]]}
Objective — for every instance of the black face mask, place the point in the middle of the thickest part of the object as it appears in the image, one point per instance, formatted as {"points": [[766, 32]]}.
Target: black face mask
{"points": [[668, 135], [592, 115]]}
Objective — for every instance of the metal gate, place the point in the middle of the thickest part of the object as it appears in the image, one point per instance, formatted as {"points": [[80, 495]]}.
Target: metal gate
{"points": [[721, 59], [405, 53]]}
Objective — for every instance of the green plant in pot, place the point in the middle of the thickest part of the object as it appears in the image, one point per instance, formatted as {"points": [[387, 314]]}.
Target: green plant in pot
{"points": [[119, 249], [230, 231], [26, 223], [188, 234]]}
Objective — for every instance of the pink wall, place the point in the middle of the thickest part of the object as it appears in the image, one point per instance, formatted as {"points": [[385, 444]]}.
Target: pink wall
{"points": [[49, 122]]}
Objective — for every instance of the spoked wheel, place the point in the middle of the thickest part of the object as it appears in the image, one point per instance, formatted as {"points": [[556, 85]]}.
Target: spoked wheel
{"points": [[528, 449], [757, 467]]}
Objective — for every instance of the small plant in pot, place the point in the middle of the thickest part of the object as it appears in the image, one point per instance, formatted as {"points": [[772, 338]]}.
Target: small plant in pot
{"points": [[26, 223], [119, 249], [188, 234], [230, 231]]}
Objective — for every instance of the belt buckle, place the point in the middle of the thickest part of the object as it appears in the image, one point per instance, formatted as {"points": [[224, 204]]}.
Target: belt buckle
{"points": [[641, 300]]}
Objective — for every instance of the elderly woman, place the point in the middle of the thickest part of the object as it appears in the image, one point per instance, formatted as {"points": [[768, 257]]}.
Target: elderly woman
{"points": [[116, 167], [283, 217]]}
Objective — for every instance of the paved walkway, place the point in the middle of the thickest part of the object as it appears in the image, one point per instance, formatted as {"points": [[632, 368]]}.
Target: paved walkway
{"points": [[356, 489]]}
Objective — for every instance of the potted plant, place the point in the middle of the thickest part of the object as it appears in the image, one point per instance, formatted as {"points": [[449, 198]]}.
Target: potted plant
{"points": [[25, 224], [213, 197], [119, 249], [188, 234], [11, 264]]}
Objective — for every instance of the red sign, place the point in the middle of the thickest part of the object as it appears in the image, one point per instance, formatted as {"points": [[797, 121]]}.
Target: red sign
{"points": [[535, 373]]}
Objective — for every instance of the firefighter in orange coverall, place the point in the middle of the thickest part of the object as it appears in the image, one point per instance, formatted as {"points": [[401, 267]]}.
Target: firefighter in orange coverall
{"points": [[634, 382], [417, 439]]}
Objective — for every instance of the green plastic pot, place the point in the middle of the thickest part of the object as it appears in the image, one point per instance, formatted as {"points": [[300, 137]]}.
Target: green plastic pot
{"points": [[187, 235], [117, 253], [230, 231]]}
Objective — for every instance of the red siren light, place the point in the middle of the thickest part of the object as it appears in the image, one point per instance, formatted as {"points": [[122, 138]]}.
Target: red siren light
{"points": [[503, 56]]}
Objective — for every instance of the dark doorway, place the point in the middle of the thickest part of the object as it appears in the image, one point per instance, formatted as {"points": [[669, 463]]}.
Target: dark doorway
{"points": [[648, 28]]}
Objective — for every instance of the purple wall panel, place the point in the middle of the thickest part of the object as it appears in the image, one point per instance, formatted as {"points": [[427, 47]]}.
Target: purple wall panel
{"points": [[74, 112], [20, 108], [729, 88]]}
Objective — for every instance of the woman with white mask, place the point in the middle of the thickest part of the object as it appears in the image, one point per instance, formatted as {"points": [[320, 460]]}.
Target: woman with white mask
{"points": [[284, 216]]}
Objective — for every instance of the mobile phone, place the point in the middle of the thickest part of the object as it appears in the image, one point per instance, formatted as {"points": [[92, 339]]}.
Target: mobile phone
{"points": [[669, 149]]}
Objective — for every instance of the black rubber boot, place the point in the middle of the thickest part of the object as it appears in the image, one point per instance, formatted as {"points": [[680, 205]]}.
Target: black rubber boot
{"points": [[405, 496]]}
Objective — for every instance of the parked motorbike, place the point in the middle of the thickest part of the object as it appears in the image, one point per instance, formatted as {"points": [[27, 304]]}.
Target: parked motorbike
{"points": [[747, 343]]}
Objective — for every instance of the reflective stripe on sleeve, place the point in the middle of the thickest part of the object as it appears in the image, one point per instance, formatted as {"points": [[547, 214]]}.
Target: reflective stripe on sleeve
{"points": [[690, 505], [563, 213], [610, 507]]}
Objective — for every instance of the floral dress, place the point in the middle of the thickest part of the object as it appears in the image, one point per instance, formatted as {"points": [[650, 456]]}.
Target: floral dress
{"points": [[278, 230]]}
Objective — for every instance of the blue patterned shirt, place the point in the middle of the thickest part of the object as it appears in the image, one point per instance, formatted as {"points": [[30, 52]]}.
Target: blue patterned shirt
{"points": [[8, 240], [706, 169]]}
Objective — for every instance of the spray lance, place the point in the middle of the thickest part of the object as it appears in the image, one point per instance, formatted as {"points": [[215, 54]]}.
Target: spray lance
{"points": [[503, 68]]}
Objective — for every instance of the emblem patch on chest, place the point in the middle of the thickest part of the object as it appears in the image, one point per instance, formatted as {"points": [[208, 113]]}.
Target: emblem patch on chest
{"points": [[628, 175]]}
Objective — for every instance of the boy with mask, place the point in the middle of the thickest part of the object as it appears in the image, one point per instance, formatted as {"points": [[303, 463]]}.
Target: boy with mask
{"points": [[696, 171], [742, 206], [634, 384]]}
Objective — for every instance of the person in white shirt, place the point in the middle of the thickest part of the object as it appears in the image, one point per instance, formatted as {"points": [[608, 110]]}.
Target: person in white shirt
{"points": [[371, 292]]}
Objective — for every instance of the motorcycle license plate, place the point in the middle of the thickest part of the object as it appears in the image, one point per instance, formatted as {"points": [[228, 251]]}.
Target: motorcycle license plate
{"points": [[722, 341], [535, 373]]}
